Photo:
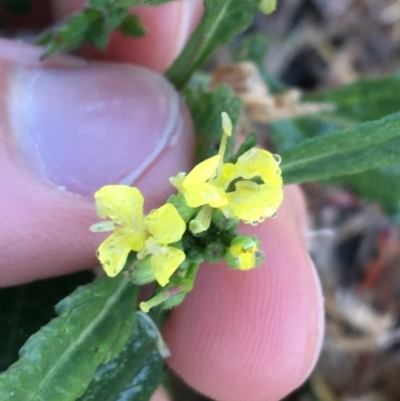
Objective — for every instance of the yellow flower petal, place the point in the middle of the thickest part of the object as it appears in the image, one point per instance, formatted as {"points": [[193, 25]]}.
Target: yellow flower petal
{"points": [[205, 193], [245, 256], [113, 253], [247, 261], [165, 262], [165, 224], [102, 226], [227, 175], [258, 162], [252, 202], [202, 172], [120, 203]]}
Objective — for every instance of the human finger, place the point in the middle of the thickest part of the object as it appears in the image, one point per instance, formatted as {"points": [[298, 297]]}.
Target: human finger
{"points": [[252, 335], [68, 127]]}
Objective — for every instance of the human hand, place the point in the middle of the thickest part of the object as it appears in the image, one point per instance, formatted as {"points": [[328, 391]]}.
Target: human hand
{"points": [[68, 127]]}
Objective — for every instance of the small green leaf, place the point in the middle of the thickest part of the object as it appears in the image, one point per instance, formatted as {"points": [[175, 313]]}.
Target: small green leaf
{"points": [[135, 374], [206, 108], [367, 146], [59, 361], [94, 24], [222, 20]]}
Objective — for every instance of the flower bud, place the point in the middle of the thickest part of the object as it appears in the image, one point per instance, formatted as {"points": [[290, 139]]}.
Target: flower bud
{"points": [[214, 252], [244, 253]]}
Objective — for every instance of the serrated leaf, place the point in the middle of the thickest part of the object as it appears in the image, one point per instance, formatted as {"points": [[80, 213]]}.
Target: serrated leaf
{"points": [[206, 108], [58, 362], [94, 24], [369, 145], [222, 20], [134, 375]]}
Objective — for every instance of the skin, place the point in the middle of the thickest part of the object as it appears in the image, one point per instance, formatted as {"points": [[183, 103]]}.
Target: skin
{"points": [[239, 335]]}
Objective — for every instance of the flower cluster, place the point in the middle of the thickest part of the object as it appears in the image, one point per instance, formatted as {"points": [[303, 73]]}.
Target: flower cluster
{"points": [[211, 199], [233, 187]]}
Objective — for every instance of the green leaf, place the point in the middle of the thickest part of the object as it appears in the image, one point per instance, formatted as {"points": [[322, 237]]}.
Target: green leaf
{"points": [[381, 184], [26, 308], [134, 375], [206, 108], [367, 146], [222, 20], [58, 362], [361, 101], [131, 26]]}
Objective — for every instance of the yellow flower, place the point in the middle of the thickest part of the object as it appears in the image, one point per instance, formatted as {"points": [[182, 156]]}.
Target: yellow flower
{"points": [[147, 235], [250, 189], [250, 201]]}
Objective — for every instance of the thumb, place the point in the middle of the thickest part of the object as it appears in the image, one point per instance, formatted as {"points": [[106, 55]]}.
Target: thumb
{"points": [[68, 127]]}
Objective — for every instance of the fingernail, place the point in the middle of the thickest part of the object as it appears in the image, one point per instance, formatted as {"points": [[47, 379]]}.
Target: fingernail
{"points": [[85, 127], [191, 13]]}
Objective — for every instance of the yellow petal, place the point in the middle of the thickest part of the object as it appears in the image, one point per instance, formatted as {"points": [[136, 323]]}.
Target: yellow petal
{"points": [[247, 261], [202, 172], [205, 194], [245, 256], [112, 254], [165, 224], [258, 162], [252, 202], [165, 263], [227, 175], [120, 203], [102, 226]]}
